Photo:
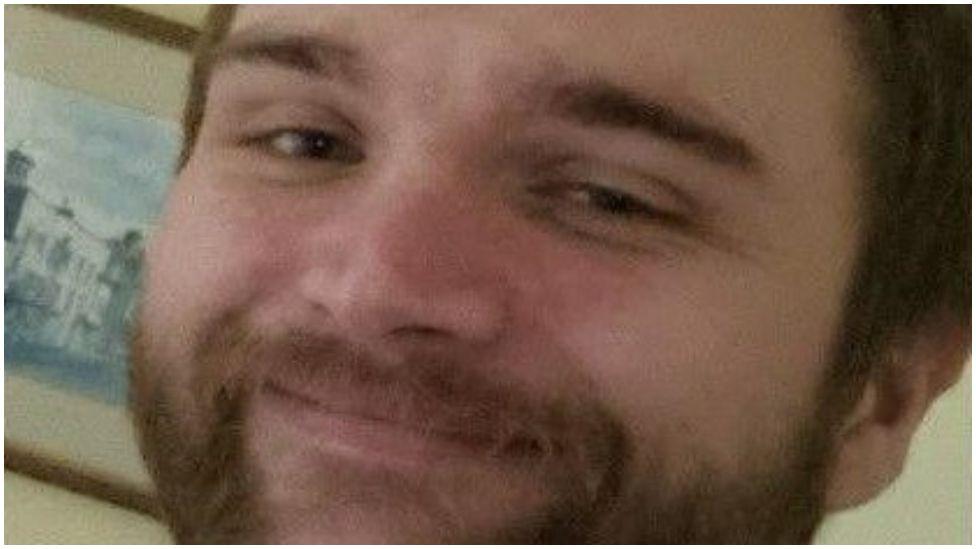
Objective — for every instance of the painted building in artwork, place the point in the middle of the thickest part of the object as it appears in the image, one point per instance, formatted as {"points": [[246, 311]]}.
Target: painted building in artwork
{"points": [[64, 287]]}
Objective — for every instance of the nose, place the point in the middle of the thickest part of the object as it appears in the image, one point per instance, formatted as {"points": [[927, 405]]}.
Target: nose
{"points": [[418, 262]]}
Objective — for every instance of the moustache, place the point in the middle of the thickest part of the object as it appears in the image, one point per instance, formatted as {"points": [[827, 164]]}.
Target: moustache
{"points": [[432, 392]]}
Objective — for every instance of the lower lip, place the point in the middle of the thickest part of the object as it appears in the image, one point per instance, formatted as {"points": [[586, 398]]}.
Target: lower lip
{"points": [[363, 439]]}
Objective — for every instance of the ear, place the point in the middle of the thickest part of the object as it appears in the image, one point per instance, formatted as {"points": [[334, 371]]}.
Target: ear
{"points": [[872, 446]]}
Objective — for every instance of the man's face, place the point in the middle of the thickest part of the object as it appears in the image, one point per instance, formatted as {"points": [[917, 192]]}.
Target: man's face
{"points": [[498, 273]]}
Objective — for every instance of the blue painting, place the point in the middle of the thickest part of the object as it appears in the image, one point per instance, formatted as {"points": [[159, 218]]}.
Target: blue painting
{"points": [[83, 182]]}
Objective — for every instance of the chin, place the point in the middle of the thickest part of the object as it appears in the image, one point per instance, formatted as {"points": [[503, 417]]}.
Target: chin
{"points": [[316, 491]]}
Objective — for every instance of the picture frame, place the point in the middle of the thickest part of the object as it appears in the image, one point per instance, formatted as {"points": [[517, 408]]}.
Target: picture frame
{"points": [[91, 141]]}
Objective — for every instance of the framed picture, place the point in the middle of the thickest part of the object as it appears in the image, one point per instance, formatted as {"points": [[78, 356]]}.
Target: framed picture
{"points": [[90, 145]]}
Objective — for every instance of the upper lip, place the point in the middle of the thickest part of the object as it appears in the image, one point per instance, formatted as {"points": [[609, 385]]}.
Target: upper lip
{"points": [[386, 406]]}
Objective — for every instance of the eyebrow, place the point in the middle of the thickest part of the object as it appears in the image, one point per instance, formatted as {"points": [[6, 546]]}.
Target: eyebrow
{"points": [[593, 102], [600, 103], [309, 54]]}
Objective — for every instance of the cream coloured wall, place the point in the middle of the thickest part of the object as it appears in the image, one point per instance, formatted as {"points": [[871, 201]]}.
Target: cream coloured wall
{"points": [[35, 512], [120, 69], [931, 503]]}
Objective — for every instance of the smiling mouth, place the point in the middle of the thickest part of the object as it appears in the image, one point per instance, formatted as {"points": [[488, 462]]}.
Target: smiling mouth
{"points": [[364, 431]]}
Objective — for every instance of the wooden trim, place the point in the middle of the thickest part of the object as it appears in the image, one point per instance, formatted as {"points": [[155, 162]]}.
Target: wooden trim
{"points": [[70, 477], [132, 22]]}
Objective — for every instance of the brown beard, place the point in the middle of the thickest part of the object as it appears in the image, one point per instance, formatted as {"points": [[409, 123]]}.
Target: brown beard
{"points": [[203, 486], [197, 451]]}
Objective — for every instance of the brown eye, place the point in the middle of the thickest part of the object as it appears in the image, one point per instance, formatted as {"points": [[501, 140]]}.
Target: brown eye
{"points": [[309, 144]]}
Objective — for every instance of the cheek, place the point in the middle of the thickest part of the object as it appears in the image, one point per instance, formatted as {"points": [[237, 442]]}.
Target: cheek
{"points": [[211, 255], [706, 363]]}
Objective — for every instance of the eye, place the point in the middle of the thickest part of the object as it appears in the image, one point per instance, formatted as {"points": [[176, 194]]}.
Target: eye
{"points": [[600, 200], [308, 144], [608, 201], [608, 215]]}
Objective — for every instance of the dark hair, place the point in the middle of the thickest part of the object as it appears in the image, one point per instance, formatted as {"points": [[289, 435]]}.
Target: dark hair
{"points": [[914, 260]]}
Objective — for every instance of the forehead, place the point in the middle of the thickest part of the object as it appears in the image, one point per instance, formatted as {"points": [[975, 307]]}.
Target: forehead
{"points": [[761, 70], [635, 31], [634, 39]]}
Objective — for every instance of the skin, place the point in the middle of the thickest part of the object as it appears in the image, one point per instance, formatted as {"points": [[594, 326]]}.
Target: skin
{"points": [[672, 366]]}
